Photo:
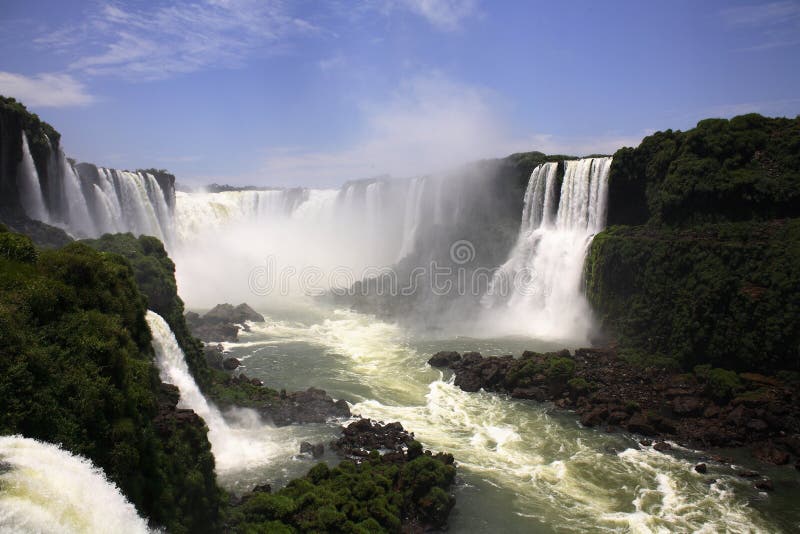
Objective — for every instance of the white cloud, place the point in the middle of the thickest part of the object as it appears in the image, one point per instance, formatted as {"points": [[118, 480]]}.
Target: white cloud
{"points": [[430, 124], [45, 90], [762, 14], [146, 43], [444, 14]]}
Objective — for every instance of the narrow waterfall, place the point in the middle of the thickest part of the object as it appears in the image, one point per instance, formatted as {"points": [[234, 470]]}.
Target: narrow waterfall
{"points": [[537, 291], [30, 188], [77, 217], [235, 447], [44, 488]]}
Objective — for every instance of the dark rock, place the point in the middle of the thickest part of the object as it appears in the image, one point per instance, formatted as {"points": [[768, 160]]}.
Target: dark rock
{"points": [[226, 313], [646, 442], [316, 450], [229, 364], [310, 406], [262, 488], [256, 382], [701, 468], [638, 424], [214, 355], [662, 446], [469, 380], [533, 393], [364, 435], [471, 358], [769, 453], [757, 425], [594, 417], [765, 485], [687, 405], [444, 359]]}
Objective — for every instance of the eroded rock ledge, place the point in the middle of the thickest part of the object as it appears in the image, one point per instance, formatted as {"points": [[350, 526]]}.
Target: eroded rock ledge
{"points": [[707, 408]]}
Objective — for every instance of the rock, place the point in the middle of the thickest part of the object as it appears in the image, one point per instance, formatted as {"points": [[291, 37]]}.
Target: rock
{"points": [[310, 406], [364, 435], [760, 379], [220, 323], [214, 355], [229, 364], [646, 442], [687, 405], [757, 425], [444, 359], [471, 358], [469, 380], [749, 474], [533, 393], [662, 446], [316, 450], [226, 313], [769, 453], [638, 424], [765, 485], [701, 468], [594, 417], [256, 382]]}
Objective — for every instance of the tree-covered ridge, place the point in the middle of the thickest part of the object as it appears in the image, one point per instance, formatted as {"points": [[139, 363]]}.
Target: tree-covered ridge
{"points": [[76, 368], [725, 294], [745, 168]]}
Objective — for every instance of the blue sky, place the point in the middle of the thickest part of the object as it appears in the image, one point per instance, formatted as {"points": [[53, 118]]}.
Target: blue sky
{"points": [[314, 93]]}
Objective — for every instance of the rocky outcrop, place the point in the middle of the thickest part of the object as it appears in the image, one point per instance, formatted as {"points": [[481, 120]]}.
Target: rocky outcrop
{"points": [[309, 406], [222, 322], [606, 391]]}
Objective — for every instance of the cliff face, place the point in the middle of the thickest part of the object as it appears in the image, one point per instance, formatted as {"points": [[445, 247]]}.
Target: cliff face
{"points": [[77, 368], [680, 280]]}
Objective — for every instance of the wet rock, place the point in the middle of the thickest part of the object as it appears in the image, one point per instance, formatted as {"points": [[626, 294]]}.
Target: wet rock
{"points": [[646, 442], [532, 393], [221, 322], [444, 359], [214, 355], [256, 382], [638, 424], [310, 406], [364, 435], [594, 417], [662, 446], [749, 474], [701, 468], [316, 450], [769, 453], [687, 405], [765, 485], [469, 380], [262, 488], [229, 364]]}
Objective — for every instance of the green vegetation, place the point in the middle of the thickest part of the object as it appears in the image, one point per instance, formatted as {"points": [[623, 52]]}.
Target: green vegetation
{"points": [[375, 496], [727, 295], [709, 276], [745, 168], [76, 368]]}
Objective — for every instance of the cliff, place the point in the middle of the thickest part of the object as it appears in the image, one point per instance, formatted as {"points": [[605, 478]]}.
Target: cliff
{"points": [[701, 267]]}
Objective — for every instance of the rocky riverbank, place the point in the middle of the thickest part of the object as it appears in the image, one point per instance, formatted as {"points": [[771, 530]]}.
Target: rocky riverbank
{"points": [[222, 323], [705, 409]]}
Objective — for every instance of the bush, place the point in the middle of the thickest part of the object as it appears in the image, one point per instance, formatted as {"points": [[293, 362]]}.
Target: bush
{"points": [[723, 384], [560, 368]]}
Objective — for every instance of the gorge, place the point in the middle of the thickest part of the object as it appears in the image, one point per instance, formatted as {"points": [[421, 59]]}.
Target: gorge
{"points": [[685, 277]]}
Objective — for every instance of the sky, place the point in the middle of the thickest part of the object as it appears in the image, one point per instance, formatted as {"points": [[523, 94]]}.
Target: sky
{"points": [[285, 93]]}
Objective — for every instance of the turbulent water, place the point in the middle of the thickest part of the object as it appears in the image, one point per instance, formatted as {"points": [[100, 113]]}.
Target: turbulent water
{"points": [[45, 489], [523, 466]]}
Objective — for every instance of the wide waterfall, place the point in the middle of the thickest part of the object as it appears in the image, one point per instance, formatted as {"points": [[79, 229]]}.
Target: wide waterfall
{"points": [[538, 290], [45, 489]]}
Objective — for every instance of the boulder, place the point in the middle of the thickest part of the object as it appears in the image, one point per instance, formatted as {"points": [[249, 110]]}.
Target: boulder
{"points": [[638, 424], [765, 485], [444, 359], [662, 446], [316, 450], [229, 364], [769, 453], [701, 468], [310, 406]]}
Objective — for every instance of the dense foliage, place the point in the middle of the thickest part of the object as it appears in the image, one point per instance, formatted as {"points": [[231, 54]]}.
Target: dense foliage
{"points": [[724, 294], [376, 496], [745, 168], [154, 272], [76, 368]]}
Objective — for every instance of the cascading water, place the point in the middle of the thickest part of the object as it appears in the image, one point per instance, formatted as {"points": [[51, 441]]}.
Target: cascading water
{"points": [[46, 489], [538, 290], [30, 189], [244, 444]]}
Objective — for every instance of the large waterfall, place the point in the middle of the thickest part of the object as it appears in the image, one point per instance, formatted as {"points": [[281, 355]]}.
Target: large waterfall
{"points": [[46, 489], [538, 290], [88, 201]]}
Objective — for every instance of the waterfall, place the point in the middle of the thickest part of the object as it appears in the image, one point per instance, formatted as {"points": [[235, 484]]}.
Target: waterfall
{"points": [[235, 447], [44, 488], [30, 189], [77, 217], [537, 291]]}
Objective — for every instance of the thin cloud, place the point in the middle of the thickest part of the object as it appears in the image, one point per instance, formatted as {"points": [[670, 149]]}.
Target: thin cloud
{"points": [[444, 14], [775, 25], [431, 124], [45, 89], [143, 43]]}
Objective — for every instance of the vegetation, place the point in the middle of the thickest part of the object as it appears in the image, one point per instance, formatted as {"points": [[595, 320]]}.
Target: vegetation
{"points": [[375, 496], [745, 168], [76, 368]]}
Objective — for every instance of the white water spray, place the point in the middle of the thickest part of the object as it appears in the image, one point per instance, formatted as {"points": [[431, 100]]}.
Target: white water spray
{"points": [[29, 187], [244, 445], [538, 290], [46, 489]]}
